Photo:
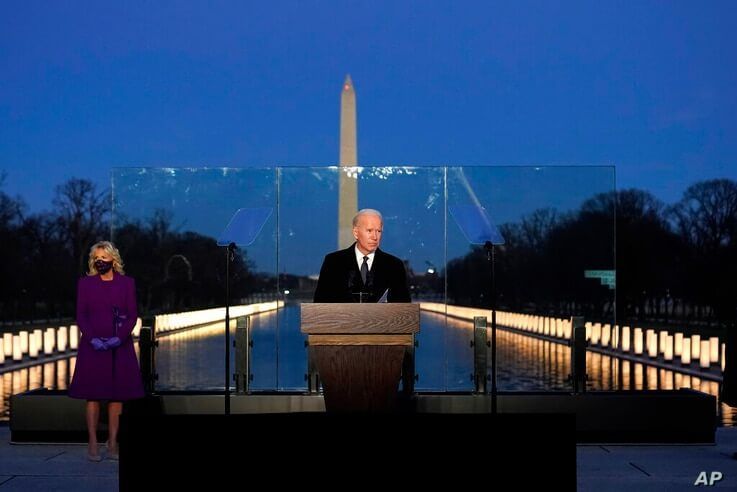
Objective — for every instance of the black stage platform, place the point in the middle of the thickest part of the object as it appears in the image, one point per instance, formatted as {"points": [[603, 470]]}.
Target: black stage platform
{"points": [[347, 451], [682, 416]]}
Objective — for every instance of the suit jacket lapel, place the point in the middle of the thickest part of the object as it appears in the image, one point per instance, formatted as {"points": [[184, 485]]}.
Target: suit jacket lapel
{"points": [[353, 269], [376, 268]]}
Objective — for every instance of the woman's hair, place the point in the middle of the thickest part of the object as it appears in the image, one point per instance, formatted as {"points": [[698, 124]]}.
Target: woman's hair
{"points": [[109, 249]]}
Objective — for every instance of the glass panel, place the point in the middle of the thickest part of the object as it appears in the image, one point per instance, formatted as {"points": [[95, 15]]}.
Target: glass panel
{"points": [[307, 230], [166, 223], [411, 201], [557, 261], [558, 227]]}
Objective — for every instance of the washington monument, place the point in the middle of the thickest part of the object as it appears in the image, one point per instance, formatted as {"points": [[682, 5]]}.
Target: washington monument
{"points": [[347, 183]]}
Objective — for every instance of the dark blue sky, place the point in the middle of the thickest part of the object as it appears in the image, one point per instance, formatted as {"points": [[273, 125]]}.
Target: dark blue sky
{"points": [[650, 87]]}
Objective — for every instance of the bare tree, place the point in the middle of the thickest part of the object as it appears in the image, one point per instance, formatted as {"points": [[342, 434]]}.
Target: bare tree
{"points": [[83, 214], [536, 227], [12, 252], [638, 205], [706, 216], [160, 225], [11, 209], [706, 219]]}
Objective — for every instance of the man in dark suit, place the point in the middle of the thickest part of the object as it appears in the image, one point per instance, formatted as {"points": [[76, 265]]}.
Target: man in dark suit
{"points": [[362, 272]]}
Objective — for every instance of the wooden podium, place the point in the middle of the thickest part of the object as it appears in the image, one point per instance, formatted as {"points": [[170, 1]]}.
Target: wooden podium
{"points": [[358, 350]]}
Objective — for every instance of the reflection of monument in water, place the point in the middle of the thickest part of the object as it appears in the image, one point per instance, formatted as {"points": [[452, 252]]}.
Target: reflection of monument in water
{"points": [[348, 182]]}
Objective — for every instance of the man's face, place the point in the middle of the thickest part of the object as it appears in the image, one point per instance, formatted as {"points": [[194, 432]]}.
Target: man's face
{"points": [[368, 233]]}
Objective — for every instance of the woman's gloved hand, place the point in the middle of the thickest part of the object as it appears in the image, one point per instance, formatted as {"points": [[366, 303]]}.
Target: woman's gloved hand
{"points": [[112, 342], [98, 344]]}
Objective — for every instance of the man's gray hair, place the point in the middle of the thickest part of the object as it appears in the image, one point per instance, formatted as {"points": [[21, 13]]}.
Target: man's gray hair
{"points": [[367, 211]]}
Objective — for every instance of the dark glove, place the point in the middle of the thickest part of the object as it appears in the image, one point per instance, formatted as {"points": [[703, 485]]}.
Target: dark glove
{"points": [[111, 342], [98, 344]]}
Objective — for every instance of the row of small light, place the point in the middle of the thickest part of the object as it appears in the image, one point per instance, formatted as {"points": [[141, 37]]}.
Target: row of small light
{"points": [[176, 321], [39, 342], [646, 343], [654, 344], [60, 340]]}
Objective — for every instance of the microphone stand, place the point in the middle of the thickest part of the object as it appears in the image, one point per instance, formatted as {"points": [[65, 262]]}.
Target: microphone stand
{"points": [[230, 253], [361, 294], [489, 247]]}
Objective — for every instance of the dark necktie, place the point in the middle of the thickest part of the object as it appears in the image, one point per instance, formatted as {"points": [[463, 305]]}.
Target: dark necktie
{"points": [[364, 269]]}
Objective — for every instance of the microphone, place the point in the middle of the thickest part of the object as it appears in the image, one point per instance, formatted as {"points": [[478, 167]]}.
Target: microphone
{"points": [[355, 287]]}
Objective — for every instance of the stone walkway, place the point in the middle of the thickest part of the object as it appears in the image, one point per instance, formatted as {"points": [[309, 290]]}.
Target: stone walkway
{"points": [[601, 468]]}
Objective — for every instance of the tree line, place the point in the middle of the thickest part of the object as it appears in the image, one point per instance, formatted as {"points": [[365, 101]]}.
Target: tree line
{"points": [[673, 262], [45, 253]]}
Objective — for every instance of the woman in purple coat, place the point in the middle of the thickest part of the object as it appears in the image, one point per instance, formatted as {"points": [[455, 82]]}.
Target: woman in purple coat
{"points": [[107, 368]]}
